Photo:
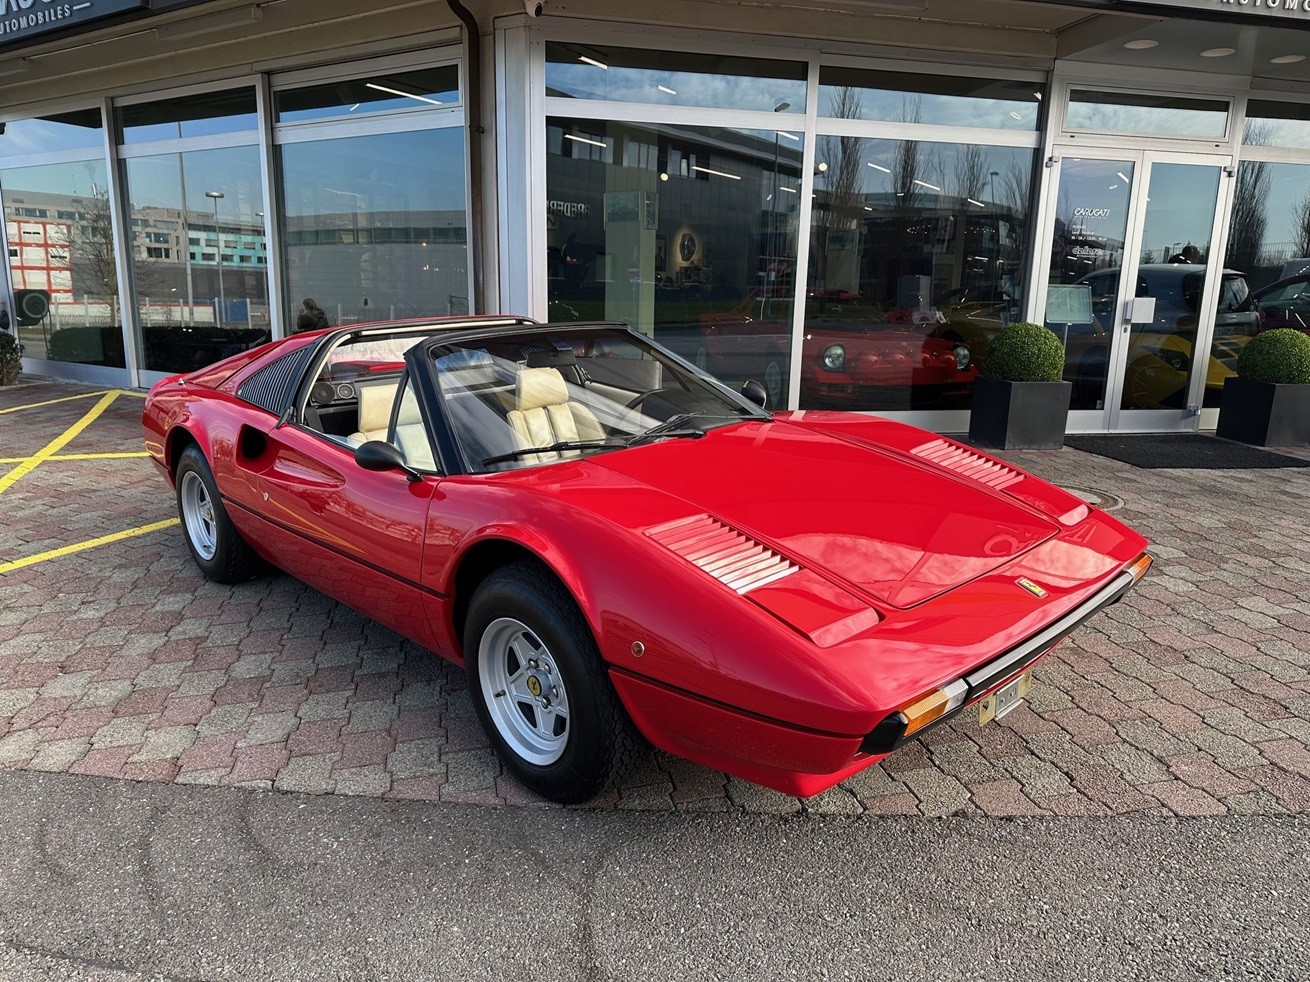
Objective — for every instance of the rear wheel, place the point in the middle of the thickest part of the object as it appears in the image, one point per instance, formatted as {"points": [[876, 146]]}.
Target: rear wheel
{"points": [[215, 544], [541, 690]]}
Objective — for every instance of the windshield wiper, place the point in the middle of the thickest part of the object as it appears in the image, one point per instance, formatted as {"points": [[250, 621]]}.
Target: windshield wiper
{"points": [[674, 426], [554, 448]]}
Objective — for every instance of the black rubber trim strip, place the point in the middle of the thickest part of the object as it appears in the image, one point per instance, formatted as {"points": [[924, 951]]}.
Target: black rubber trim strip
{"points": [[332, 549], [889, 734], [1029, 651]]}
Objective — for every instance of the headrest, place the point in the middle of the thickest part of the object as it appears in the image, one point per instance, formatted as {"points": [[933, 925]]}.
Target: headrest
{"points": [[375, 402], [551, 359], [538, 387]]}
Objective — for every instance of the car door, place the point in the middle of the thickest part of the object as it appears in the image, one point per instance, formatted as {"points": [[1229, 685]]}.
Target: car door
{"points": [[357, 535]]}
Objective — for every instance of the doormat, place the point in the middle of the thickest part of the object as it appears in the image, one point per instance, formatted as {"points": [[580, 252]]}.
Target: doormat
{"points": [[1182, 451]]}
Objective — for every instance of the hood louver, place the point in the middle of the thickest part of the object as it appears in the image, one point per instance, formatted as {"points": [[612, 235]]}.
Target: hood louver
{"points": [[967, 463], [735, 560]]}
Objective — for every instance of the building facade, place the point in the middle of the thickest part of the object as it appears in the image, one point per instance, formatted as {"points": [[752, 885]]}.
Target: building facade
{"points": [[844, 199]]}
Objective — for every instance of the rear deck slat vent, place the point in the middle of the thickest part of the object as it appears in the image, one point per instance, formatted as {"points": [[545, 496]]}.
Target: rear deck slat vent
{"points": [[967, 463]]}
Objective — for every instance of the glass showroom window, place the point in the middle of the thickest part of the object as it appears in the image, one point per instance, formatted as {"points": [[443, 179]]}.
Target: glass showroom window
{"points": [[944, 100], [674, 78], [917, 260], [1269, 236], [61, 242], [373, 186], [199, 255], [1269, 233], [686, 233]]}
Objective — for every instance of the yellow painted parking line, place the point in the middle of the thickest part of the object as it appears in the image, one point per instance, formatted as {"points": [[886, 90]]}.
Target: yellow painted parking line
{"points": [[85, 395], [51, 402], [80, 456], [58, 443], [82, 546]]}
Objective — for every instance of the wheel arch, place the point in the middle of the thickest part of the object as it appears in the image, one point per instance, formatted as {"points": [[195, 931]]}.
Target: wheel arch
{"points": [[482, 557], [179, 438]]}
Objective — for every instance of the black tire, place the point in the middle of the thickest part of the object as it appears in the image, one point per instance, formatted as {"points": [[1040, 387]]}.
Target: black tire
{"points": [[232, 560], [602, 746]]}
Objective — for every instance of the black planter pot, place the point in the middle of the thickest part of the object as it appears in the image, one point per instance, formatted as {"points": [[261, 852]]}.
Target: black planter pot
{"points": [[1265, 414], [1019, 415]]}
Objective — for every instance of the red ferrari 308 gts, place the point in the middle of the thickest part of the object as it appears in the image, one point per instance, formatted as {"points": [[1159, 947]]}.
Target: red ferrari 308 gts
{"points": [[616, 546]]}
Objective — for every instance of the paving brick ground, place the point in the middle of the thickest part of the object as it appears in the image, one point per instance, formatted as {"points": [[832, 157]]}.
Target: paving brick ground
{"points": [[1192, 697]]}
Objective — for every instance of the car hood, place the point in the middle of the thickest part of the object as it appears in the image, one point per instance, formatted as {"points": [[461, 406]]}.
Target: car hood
{"points": [[885, 522]]}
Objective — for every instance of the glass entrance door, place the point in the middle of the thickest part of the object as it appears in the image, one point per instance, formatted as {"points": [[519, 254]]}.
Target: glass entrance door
{"points": [[1134, 289]]}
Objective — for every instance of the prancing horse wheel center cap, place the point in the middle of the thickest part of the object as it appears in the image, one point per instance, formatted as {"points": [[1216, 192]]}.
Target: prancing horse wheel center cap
{"points": [[534, 686]]}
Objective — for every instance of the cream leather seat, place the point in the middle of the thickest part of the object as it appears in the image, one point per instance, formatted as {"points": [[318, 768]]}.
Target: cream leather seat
{"points": [[375, 402], [543, 414]]}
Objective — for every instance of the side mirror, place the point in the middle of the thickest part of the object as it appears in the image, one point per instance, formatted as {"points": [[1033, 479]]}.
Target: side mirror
{"points": [[378, 455], [756, 393]]}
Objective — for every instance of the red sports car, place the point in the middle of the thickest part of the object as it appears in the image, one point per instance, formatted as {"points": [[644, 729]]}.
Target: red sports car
{"points": [[855, 358], [616, 546]]}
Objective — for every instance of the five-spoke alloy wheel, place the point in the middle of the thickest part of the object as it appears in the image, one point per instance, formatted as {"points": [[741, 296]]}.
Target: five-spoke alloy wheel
{"points": [[525, 694], [541, 689], [216, 546]]}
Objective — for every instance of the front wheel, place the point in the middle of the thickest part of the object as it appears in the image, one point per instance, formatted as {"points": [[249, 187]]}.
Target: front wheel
{"points": [[541, 690], [215, 544]]}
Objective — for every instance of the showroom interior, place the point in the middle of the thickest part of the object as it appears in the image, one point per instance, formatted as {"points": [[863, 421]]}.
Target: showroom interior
{"points": [[842, 199]]}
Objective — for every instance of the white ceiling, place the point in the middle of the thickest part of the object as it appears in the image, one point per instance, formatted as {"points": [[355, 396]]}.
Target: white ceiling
{"points": [[1182, 41]]}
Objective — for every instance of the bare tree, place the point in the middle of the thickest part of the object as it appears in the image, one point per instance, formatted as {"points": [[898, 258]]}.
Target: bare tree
{"points": [[843, 180], [1250, 215], [908, 158], [970, 172], [91, 248], [91, 251], [1302, 227]]}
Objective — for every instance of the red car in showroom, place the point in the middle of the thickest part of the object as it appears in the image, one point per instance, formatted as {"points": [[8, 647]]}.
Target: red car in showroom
{"points": [[856, 358], [854, 354], [616, 546]]}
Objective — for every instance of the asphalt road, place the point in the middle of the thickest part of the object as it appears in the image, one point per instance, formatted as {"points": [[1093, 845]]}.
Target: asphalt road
{"points": [[114, 881]]}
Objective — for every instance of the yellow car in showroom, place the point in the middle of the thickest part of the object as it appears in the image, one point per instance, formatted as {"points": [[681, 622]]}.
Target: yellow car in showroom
{"points": [[1160, 356]]}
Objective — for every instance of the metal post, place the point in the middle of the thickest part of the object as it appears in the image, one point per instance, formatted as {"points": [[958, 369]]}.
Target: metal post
{"points": [[218, 255]]}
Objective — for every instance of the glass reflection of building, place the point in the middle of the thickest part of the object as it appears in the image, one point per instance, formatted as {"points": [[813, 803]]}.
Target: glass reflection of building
{"points": [[727, 193]]}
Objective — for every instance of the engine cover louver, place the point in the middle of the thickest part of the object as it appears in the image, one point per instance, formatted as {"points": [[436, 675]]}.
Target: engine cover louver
{"points": [[735, 560], [968, 463]]}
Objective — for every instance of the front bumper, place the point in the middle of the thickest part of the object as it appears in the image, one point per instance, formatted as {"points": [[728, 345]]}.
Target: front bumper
{"points": [[801, 761], [891, 732]]}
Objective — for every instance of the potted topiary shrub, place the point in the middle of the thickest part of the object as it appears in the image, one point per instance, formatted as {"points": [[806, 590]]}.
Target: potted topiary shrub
{"points": [[1020, 401], [11, 358], [1268, 402]]}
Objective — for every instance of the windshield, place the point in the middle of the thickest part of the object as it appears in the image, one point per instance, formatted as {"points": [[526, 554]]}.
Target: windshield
{"points": [[557, 394]]}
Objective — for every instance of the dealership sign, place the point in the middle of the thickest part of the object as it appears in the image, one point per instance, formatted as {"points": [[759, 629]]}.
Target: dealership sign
{"points": [[1266, 8], [1295, 12], [23, 19]]}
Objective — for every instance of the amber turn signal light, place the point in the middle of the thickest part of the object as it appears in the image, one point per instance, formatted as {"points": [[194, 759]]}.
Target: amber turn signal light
{"points": [[933, 706], [1139, 567]]}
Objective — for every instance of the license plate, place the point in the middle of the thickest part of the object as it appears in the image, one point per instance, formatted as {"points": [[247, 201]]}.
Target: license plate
{"points": [[1004, 699]]}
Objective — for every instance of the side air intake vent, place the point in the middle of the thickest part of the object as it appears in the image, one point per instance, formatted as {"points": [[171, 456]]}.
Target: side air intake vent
{"points": [[735, 560], [271, 387], [967, 463]]}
